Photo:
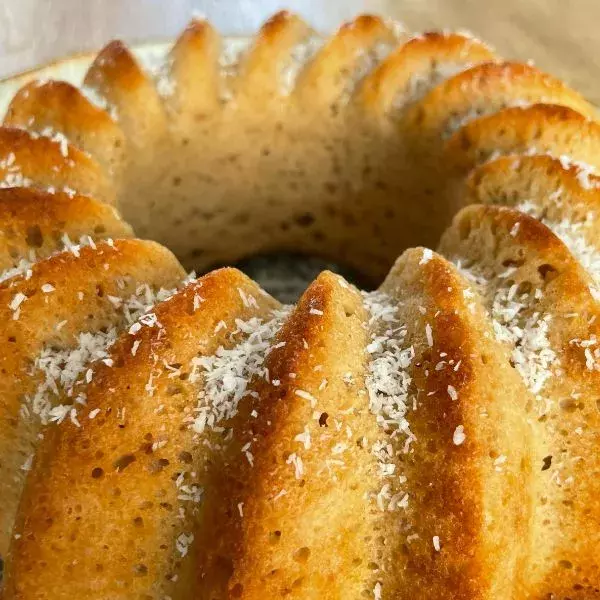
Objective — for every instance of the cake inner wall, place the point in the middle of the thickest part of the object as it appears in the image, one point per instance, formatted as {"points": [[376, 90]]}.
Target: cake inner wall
{"points": [[264, 167], [253, 174], [287, 144]]}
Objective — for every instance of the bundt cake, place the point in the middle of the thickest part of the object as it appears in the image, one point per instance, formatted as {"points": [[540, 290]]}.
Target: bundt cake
{"points": [[170, 436]]}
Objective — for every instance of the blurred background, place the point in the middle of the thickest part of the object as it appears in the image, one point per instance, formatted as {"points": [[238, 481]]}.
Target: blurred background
{"points": [[561, 37]]}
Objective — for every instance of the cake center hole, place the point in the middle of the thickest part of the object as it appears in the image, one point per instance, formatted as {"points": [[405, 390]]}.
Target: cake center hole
{"points": [[287, 275]]}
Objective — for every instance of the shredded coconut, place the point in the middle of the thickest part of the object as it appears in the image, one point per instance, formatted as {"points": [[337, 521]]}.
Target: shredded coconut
{"points": [[24, 266], [420, 83], [452, 392], [586, 173], [426, 256], [574, 235], [377, 591], [458, 437], [516, 323], [232, 56], [229, 371], [12, 176], [100, 101], [532, 354], [388, 383], [300, 56], [183, 542], [62, 369]]}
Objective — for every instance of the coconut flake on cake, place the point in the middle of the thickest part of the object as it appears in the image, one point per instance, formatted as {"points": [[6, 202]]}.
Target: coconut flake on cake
{"points": [[574, 235], [228, 372], [366, 61], [62, 370], [233, 53], [517, 323], [420, 83], [388, 386], [299, 58], [456, 122], [99, 101], [24, 266], [12, 177]]}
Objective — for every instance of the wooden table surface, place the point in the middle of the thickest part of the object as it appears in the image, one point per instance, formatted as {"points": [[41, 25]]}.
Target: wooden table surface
{"points": [[561, 37]]}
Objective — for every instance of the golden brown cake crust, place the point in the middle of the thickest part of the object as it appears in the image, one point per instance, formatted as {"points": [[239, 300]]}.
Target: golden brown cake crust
{"points": [[112, 483], [419, 58], [47, 308], [296, 534], [60, 107], [194, 66], [28, 160], [487, 88], [566, 525], [563, 195], [513, 180], [116, 77], [257, 83], [539, 129], [33, 221]]}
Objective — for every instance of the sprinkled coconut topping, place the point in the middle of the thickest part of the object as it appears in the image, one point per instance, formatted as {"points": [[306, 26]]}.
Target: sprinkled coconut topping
{"points": [[388, 383], [455, 122], [23, 267], [62, 369], [300, 56], [26, 466], [161, 74], [377, 595], [306, 396], [573, 235], [304, 438], [227, 373], [387, 380], [458, 437], [426, 256], [591, 351], [295, 460], [15, 304], [12, 177], [420, 83], [516, 323], [367, 60], [429, 335], [532, 354], [183, 542], [586, 173], [100, 101], [54, 136], [232, 56], [186, 491]]}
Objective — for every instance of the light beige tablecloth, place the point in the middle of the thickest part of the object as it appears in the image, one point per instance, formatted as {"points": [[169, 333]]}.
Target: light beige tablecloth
{"points": [[562, 37]]}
